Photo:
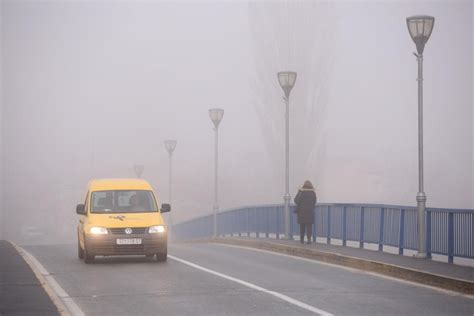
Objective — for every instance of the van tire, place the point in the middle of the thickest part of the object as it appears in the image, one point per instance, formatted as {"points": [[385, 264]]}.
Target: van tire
{"points": [[87, 257], [80, 251], [162, 256]]}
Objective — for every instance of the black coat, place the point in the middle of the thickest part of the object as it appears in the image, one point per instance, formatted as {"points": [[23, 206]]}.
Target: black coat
{"points": [[305, 202]]}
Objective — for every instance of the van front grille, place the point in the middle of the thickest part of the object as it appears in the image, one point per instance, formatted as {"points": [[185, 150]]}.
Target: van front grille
{"points": [[128, 249], [135, 230]]}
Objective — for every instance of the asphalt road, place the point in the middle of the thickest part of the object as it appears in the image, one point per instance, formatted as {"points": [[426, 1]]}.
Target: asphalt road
{"points": [[210, 279]]}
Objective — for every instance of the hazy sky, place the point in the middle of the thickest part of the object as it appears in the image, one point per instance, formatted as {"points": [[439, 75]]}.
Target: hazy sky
{"points": [[91, 88]]}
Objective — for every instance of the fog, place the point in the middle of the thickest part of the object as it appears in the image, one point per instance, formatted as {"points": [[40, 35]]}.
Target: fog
{"points": [[89, 89]]}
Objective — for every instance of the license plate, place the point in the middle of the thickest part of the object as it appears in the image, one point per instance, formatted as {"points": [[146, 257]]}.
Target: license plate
{"points": [[129, 241]]}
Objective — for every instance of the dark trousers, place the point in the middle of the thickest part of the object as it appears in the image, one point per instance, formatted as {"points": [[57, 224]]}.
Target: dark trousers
{"points": [[309, 231]]}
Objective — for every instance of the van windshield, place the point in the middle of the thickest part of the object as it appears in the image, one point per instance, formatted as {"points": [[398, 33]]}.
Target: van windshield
{"points": [[123, 201]]}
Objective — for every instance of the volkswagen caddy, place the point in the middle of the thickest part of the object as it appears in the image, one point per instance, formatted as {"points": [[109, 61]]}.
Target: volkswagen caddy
{"points": [[121, 217]]}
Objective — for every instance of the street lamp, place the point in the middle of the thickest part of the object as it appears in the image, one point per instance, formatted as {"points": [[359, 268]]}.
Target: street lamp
{"points": [[287, 81], [138, 170], [216, 117], [420, 28], [170, 145]]}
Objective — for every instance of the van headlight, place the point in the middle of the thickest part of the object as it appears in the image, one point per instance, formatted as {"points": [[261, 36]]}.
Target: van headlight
{"points": [[98, 230], [156, 229]]}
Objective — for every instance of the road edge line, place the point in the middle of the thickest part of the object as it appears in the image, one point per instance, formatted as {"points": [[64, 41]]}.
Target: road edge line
{"points": [[63, 302], [279, 295]]}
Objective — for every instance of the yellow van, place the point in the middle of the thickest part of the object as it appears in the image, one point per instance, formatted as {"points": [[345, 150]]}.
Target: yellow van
{"points": [[121, 217]]}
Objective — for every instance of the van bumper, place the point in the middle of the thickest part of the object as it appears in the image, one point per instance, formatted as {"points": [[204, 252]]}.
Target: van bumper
{"points": [[107, 245]]}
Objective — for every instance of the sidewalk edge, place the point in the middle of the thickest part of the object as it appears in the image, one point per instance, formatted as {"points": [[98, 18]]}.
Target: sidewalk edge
{"points": [[439, 281], [47, 281]]}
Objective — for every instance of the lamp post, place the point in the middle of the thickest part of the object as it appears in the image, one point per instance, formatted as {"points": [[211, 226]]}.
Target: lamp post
{"points": [[287, 81], [420, 28], [216, 117], [138, 170], [170, 146]]}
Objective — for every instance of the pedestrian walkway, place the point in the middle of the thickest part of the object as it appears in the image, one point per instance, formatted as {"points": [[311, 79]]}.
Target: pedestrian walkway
{"points": [[20, 291], [439, 274]]}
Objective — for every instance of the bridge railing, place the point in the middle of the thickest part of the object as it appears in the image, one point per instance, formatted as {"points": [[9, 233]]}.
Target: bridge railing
{"points": [[450, 232]]}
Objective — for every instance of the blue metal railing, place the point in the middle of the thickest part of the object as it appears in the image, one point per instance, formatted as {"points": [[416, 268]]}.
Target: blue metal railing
{"points": [[449, 231]]}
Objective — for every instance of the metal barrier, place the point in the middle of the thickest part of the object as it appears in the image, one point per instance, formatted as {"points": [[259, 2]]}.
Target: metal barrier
{"points": [[449, 231]]}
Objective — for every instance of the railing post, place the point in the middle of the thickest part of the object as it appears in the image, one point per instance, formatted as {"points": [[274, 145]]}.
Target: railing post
{"points": [[257, 222], [471, 243], [267, 224], [428, 234], [229, 224], [226, 230], [344, 225], [277, 223], [450, 237], [315, 236], [329, 226], [220, 225], [401, 237], [361, 235], [211, 226], [382, 218], [232, 223], [291, 222], [223, 224], [240, 223], [248, 222]]}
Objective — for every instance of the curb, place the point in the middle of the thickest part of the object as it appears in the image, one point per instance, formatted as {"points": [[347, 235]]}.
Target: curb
{"points": [[65, 305], [41, 279], [395, 271]]}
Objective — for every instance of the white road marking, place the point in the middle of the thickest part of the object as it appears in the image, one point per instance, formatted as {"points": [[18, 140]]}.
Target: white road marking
{"points": [[47, 278], [255, 287]]}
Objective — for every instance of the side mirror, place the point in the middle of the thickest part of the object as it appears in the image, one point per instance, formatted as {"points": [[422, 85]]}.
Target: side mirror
{"points": [[165, 207], [81, 209]]}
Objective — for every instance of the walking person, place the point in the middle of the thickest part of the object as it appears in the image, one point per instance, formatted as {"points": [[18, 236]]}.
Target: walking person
{"points": [[305, 201]]}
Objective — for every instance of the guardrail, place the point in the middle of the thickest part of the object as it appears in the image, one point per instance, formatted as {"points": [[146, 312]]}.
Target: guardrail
{"points": [[449, 231]]}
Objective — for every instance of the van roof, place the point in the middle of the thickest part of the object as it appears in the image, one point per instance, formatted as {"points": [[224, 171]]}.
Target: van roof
{"points": [[118, 184]]}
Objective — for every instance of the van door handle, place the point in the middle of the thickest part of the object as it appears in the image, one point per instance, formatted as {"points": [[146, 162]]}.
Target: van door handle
{"points": [[81, 221]]}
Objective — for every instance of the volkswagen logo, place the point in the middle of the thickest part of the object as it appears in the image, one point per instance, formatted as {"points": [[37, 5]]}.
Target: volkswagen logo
{"points": [[128, 231]]}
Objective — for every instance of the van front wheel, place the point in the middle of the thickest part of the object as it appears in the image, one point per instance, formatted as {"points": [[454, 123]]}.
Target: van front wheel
{"points": [[163, 255], [88, 258], [80, 251]]}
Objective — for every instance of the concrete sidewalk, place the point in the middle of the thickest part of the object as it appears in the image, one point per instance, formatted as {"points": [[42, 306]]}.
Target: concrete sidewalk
{"points": [[433, 273], [20, 291]]}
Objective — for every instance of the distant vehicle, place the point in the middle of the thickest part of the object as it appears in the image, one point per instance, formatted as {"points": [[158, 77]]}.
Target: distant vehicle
{"points": [[121, 217], [31, 233]]}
